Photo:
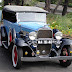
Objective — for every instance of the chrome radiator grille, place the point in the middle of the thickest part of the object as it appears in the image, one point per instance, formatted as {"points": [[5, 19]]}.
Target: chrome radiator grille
{"points": [[44, 34], [44, 48]]}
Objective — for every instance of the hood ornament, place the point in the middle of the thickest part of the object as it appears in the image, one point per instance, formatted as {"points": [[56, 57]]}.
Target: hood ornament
{"points": [[46, 25]]}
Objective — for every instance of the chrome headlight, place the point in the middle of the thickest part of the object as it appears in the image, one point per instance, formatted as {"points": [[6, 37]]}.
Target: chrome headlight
{"points": [[58, 35], [32, 35]]}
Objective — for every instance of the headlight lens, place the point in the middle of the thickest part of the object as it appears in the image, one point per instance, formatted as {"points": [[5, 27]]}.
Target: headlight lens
{"points": [[58, 35], [32, 35]]}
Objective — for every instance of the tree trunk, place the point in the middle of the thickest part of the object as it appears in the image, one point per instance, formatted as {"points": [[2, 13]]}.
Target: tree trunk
{"points": [[22, 2], [47, 5], [65, 8], [17, 2], [59, 1], [7, 2]]}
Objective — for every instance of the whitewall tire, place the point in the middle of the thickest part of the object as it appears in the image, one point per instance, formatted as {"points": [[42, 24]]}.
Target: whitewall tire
{"points": [[17, 53]]}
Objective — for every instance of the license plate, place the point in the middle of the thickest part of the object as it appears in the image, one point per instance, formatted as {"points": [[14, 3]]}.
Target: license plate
{"points": [[45, 42]]}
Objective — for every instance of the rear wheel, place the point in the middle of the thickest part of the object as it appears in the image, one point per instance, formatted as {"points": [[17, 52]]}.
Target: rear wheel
{"points": [[17, 53], [9, 37], [65, 52], [1, 40], [3, 36]]}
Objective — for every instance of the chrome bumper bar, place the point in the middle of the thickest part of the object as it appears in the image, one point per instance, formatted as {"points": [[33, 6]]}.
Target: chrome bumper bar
{"points": [[45, 58]]}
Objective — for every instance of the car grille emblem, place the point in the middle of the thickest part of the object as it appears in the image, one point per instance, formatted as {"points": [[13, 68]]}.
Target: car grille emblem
{"points": [[43, 52]]}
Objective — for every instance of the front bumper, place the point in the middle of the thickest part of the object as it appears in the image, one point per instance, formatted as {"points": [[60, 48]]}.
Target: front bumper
{"points": [[45, 58]]}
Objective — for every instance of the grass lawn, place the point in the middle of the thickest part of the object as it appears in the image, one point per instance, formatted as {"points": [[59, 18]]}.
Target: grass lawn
{"points": [[63, 23]]}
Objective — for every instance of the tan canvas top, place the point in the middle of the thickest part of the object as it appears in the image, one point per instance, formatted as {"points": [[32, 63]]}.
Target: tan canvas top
{"points": [[24, 9]]}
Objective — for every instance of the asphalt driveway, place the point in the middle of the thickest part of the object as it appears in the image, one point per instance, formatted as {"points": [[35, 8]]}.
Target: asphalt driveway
{"points": [[50, 66]]}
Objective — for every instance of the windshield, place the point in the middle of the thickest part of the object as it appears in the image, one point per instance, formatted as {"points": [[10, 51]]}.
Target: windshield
{"points": [[35, 17]]}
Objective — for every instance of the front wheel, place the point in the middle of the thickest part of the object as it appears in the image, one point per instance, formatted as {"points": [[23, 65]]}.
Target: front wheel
{"points": [[65, 52], [17, 53]]}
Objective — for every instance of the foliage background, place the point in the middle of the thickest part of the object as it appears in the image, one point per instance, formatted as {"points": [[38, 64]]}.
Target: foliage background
{"points": [[63, 23]]}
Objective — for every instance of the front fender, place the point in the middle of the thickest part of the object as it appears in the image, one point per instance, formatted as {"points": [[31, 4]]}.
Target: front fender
{"points": [[20, 42], [66, 42]]}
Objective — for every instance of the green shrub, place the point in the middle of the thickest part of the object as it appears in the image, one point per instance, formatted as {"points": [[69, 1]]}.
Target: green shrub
{"points": [[69, 15], [70, 5], [41, 0], [53, 1], [31, 3], [64, 23]]}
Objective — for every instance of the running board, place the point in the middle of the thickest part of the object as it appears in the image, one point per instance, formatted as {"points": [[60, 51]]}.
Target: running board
{"points": [[42, 58], [5, 44]]}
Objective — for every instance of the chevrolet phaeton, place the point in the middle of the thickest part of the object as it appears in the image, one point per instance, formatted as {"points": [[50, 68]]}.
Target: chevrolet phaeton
{"points": [[28, 38]]}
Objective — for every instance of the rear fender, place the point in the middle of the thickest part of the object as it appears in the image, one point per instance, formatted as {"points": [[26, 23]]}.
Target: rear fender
{"points": [[6, 29], [4, 32]]}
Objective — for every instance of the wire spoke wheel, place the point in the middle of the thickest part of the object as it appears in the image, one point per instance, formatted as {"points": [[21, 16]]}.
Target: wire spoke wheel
{"points": [[65, 52], [17, 53], [14, 56], [9, 37]]}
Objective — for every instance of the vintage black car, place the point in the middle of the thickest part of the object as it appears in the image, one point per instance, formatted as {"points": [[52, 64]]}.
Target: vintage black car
{"points": [[27, 36]]}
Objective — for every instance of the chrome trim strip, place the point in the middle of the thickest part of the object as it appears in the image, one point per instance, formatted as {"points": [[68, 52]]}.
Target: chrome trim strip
{"points": [[51, 39], [45, 58], [44, 39]]}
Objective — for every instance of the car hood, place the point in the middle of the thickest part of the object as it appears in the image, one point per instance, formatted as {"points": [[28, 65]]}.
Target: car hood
{"points": [[32, 26]]}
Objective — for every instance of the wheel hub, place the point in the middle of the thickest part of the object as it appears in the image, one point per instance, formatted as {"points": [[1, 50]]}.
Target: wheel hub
{"points": [[15, 57], [65, 53], [10, 37]]}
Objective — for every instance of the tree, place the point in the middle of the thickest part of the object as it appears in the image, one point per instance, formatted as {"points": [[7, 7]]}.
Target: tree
{"points": [[17, 2], [47, 5], [59, 1], [22, 2], [65, 7], [6, 2]]}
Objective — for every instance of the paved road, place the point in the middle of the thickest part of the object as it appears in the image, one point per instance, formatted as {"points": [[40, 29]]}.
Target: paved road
{"points": [[52, 6], [51, 66]]}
